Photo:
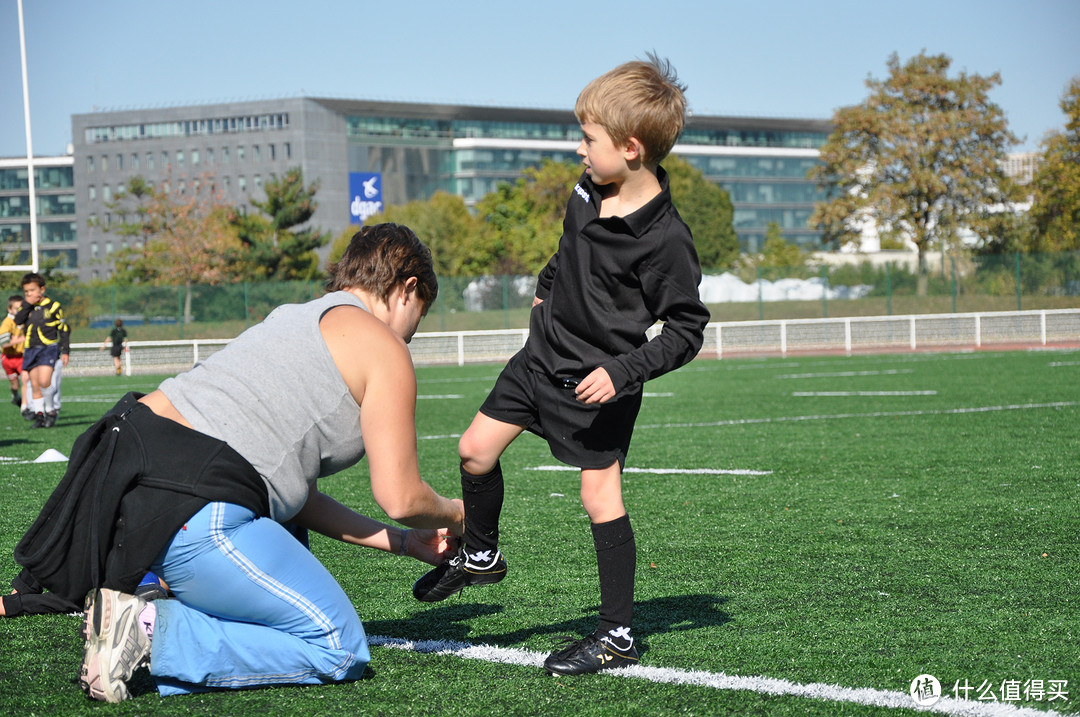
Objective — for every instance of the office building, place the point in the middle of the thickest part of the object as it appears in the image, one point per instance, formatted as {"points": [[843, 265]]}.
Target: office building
{"points": [[54, 190], [366, 155]]}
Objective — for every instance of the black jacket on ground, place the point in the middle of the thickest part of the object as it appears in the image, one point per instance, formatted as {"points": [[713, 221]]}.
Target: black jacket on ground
{"points": [[133, 479]]}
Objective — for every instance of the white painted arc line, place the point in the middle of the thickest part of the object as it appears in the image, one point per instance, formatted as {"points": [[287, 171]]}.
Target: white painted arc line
{"points": [[698, 678]]}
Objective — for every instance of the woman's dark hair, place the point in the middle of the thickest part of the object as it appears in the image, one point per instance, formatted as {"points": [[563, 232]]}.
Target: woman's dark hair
{"points": [[381, 257]]}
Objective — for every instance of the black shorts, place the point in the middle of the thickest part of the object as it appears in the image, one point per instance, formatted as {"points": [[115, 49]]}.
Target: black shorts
{"points": [[116, 350], [41, 356], [586, 436]]}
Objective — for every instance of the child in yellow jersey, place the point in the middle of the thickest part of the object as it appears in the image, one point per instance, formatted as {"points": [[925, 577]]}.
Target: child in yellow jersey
{"points": [[48, 340], [11, 348]]}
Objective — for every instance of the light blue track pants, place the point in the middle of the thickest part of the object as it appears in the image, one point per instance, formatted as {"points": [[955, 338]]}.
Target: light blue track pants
{"points": [[254, 608]]}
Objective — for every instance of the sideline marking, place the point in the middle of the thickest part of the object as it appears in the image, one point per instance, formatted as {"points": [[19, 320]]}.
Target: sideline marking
{"points": [[805, 394], [667, 471], [826, 417], [699, 678], [874, 414], [849, 374]]}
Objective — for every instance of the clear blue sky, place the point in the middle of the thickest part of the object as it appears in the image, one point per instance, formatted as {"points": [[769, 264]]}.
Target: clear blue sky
{"points": [[751, 57]]}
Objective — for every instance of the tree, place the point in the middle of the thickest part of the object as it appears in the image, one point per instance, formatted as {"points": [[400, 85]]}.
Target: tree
{"points": [[521, 222], [1056, 184], [181, 234], [273, 245], [706, 208], [920, 157], [443, 223], [779, 256]]}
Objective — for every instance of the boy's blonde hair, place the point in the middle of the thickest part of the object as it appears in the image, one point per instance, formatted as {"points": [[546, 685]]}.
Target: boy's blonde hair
{"points": [[637, 99]]}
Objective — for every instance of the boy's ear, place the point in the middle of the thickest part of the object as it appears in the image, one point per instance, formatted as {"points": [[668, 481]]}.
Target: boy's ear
{"points": [[634, 150]]}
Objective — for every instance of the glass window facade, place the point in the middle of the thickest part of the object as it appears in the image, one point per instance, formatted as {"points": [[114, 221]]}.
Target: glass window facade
{"points": [[187, 128], [55, 196], [419, 149], [749, 163]]}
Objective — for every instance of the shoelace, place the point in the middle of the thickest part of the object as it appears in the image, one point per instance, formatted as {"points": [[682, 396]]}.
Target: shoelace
{"points": [[570, 643]]}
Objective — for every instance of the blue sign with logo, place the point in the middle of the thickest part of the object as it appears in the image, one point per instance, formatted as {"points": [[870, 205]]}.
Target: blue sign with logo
{"points": [[365, 195]]}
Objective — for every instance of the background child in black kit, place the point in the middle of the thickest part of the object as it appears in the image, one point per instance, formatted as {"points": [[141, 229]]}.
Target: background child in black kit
{"points": [[625, 260]]}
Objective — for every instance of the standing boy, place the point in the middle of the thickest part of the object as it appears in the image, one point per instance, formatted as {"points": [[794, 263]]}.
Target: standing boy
{"points": [[47, 341], [625, 261], [11, 345], [117, 336]]}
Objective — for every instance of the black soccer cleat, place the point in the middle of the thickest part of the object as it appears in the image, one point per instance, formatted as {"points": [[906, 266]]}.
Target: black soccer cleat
{"points": [[456, 574], [588, 655]]}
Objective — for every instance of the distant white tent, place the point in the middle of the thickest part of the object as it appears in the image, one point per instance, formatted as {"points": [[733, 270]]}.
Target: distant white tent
{"points": [[729, 288]]}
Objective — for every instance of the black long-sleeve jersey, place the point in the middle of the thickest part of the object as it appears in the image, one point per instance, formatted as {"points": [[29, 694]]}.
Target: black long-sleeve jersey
{"points": [[610, 280]]}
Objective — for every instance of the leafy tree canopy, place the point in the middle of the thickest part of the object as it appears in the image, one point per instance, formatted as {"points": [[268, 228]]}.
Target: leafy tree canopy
{"points": [[920, 157], [179, 232], [443, 223], [707, 209], [521, 222], [778, 257], [276, 245], [1056, 185]]}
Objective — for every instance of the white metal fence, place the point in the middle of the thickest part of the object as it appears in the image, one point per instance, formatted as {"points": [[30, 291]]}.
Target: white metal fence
{"points": [[856, 334]]}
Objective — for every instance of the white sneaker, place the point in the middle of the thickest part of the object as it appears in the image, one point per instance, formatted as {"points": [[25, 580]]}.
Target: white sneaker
{"points": [[116, 644]]}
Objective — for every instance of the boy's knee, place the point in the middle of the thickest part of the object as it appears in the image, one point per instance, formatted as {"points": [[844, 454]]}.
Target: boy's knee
{"points": [[472, 455]]}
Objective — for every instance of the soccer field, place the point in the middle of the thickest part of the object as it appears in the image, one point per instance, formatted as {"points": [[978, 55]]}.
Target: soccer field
{"points": [[813, 535]]}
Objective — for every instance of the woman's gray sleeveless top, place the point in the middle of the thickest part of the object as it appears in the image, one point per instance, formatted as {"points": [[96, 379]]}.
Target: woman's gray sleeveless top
{"points": [[275, 395]]}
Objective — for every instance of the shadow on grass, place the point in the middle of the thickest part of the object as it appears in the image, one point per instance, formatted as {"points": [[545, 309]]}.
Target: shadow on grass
{"points": [[453, 622]]}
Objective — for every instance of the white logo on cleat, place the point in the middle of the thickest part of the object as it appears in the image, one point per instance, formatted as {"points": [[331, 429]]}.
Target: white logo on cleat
{"points": [[482, 560], [484, 556], [622, 633]]}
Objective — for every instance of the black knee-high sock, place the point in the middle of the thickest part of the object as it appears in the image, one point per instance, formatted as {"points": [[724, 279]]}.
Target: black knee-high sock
{"points": [[483, 498], [616, 559]]}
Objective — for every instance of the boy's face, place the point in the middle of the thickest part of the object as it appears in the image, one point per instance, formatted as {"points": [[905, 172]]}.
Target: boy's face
{"points": [[604, 162], [33, 293], [14, 306]]}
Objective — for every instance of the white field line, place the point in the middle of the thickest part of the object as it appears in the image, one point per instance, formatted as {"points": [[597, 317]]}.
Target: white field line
{"points": [[849, 374], [720, 681], [668, 471], [873, 414], [421, 397], [825, 417], [805, 394]]}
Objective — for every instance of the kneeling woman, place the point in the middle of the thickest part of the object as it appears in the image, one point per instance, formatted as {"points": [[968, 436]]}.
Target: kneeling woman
{"points": [[196, 480]]}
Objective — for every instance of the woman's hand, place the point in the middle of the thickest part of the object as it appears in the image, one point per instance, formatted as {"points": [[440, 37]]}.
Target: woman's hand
{"points": [[432, 546]]}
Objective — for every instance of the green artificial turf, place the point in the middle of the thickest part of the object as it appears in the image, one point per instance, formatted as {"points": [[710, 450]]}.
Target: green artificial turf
{"points": [[882, 517]]}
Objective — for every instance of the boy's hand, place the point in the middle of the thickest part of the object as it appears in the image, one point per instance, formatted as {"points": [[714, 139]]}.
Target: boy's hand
{"points": [[537, 300], [596, 387]]}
